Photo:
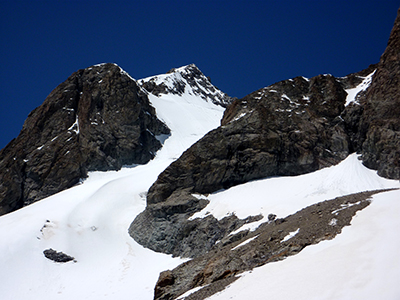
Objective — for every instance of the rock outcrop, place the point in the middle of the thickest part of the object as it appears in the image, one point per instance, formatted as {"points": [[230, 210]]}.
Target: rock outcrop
{"points": [[98, 119], [173, 232], [292, 127], [58, 257], [380, 122], [289, 128]]}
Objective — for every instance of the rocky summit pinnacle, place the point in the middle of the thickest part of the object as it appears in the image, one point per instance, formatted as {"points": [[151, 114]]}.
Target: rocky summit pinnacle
{"points": [[187, 79], [98, 119]]}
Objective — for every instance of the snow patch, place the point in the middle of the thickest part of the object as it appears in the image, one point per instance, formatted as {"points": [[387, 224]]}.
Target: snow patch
{"points": [[345, 206], [75, 127], [188, 293], [290, 235], [352, 93], [245, 242], [333, 222]]}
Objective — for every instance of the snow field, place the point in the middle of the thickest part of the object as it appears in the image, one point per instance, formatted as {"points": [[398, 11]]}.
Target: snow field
{"points": [[283, 196], [361, 263]]}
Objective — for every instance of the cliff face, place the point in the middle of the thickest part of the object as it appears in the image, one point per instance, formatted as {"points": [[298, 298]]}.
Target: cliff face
{"points": [[98, 119], [290, 128], [380, 122]]}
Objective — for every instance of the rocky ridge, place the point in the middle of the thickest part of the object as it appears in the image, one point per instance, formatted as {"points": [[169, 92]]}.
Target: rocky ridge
{"points": [[292, 127], [98, 119]]}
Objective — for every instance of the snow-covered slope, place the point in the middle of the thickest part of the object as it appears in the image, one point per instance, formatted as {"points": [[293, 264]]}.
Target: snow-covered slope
{"points": [[359, 264], [286, 195], [90, 222]]}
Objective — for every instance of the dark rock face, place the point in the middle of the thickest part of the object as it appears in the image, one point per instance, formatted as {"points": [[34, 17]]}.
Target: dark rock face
{"points": [[98, 119], [270, 242], [55, 256], [380, 122], [173, 232], [292, 127], [289, 128], [186, 79]]}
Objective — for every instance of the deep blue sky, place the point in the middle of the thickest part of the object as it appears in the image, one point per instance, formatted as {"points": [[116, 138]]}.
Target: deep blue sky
{"points": [[241, 45]]}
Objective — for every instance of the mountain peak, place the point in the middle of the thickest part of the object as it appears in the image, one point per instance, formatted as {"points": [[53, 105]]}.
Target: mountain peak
{"points": [[185, 80], [187, 68], [98, 119]]}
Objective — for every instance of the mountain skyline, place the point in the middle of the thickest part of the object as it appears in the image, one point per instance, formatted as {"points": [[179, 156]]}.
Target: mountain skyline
{"points": [[242, 46]]}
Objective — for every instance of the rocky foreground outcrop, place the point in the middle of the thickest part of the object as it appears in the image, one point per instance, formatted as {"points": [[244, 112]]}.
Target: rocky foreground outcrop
{"points": [[98, 119], [272, 241]]}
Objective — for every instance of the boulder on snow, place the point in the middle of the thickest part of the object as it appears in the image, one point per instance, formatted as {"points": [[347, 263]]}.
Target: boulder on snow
{"points": [[59, 257]]}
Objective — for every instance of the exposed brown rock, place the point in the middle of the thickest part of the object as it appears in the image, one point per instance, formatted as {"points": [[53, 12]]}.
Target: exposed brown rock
{"points": [[289, 128]]}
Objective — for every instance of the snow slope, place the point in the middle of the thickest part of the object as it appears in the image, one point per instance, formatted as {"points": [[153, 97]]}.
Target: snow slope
{"points": [[90, 222], [286, 195], [359, 264]]}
